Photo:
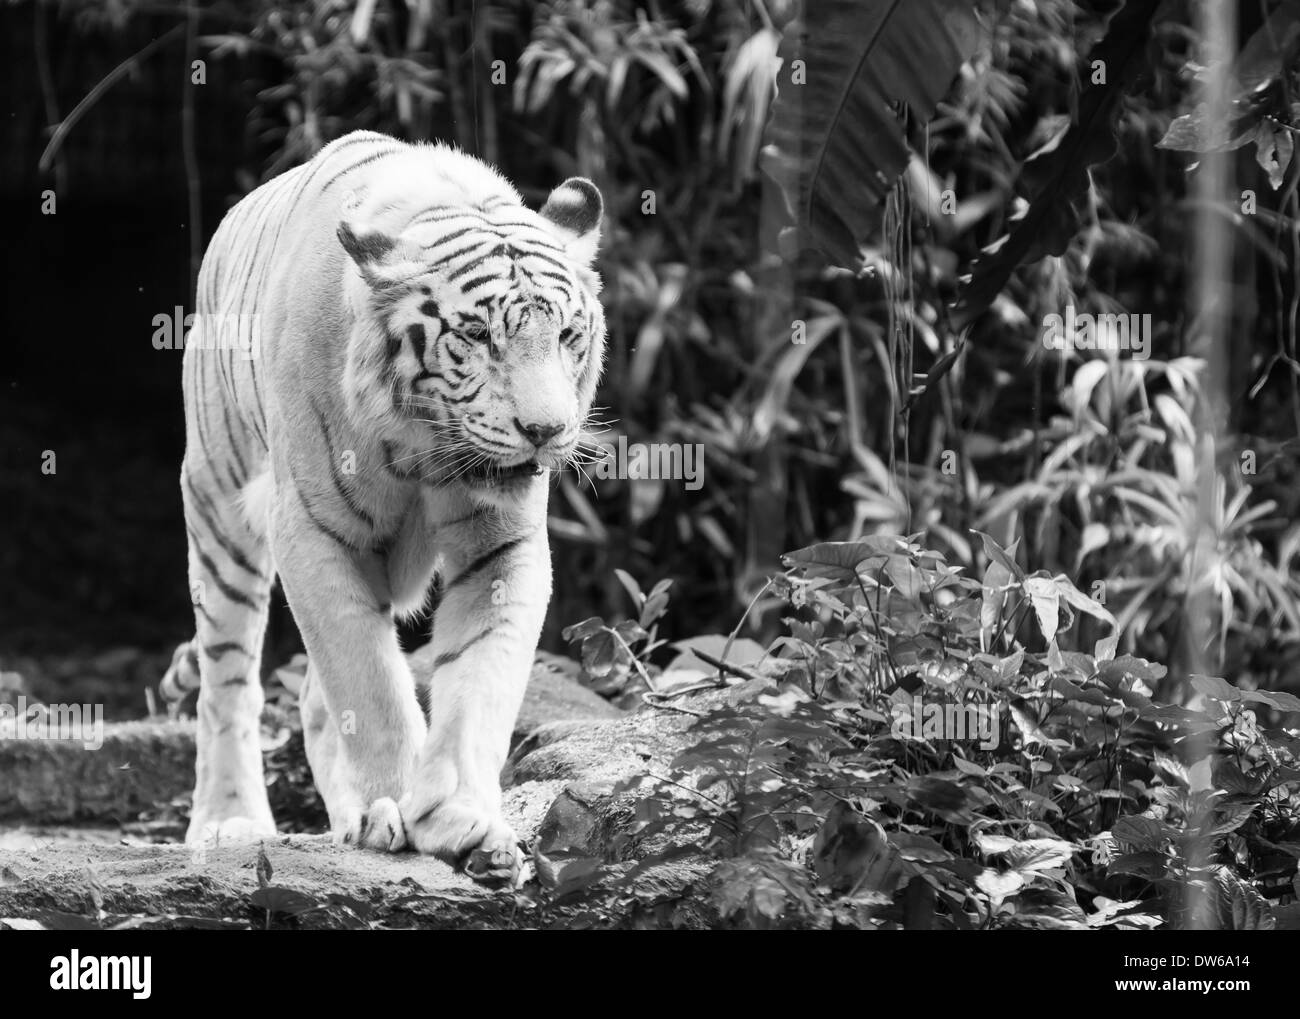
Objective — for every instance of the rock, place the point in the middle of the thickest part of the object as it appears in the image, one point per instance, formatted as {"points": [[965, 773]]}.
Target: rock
{"points": [[174, 887], [583, 819], [61, 870], [61, 781], [313, 885], [560, 798], [550, 697], [609, 751], [145, 763], [589, 760]]}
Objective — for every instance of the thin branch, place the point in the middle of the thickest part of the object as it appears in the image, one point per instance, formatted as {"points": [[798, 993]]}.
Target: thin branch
{"points": [[49, 94], [654, 701], [721, 666], [107, 82], [731, 638], [635, 661]]}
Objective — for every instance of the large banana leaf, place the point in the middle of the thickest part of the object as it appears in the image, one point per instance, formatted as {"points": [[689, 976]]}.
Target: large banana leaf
{"points": [[1058, 180], [836, 141]]}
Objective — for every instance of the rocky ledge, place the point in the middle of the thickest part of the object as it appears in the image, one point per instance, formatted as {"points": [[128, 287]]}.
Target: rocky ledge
{"points": [[66, 860]]}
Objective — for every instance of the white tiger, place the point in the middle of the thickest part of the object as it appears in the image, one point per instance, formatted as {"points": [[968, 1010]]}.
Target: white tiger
{"points": [[426, 351]]}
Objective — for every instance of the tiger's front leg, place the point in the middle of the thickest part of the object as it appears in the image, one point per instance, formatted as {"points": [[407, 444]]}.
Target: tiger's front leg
{"points": [[362, 724], [485, 638]]}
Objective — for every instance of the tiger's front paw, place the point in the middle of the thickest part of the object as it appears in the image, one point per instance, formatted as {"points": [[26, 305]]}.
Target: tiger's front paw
{"points": [[229, 831], [468, 836], [379, 827]]}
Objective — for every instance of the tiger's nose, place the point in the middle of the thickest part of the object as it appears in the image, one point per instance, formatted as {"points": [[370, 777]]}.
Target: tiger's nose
{"points": [[538, 435]]}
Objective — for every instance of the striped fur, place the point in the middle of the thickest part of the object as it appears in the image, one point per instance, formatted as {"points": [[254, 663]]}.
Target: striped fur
{"points": [[416, 351]]}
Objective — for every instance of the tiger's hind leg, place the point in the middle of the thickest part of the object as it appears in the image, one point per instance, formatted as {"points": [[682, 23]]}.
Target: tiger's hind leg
{"points": [[182, 677], [230, 583]]}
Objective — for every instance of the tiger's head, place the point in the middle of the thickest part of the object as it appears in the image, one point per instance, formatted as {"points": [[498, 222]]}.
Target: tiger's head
{"points": [[479, 335]]}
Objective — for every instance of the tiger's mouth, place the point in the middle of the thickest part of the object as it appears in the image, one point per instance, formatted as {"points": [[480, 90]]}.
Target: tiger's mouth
{"points": [[488, 473]]}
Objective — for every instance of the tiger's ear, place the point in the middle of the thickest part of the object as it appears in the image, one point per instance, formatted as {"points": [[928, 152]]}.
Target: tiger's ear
{"points": [[575, 209], [384, 260]]}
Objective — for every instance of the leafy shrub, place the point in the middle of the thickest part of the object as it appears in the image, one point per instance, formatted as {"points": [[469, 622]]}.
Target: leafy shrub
{"points": [[848, 793]]}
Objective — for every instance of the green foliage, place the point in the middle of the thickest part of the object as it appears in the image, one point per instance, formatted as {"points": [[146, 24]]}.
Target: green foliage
{"points": [[1260, 111], [614, 657], [888, 416], [1120, 498], [848, 793]]}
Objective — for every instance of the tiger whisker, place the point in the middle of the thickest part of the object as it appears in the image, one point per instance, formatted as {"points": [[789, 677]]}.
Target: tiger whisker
{"points": [[584, 476]]}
